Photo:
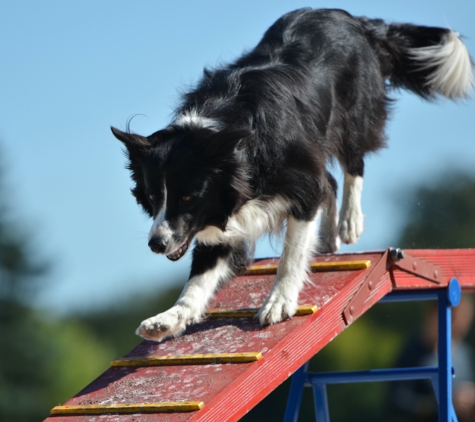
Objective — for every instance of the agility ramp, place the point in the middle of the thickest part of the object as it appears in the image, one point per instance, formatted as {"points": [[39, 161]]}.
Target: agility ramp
{"points": [[222, 367]]}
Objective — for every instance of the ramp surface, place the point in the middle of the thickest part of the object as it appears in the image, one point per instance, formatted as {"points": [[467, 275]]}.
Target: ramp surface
{"points": [[222, 367]]}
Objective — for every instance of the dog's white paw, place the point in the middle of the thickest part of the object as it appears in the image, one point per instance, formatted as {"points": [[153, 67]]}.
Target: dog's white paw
{"points": [[167, 324], [277, 307], [351, 225]]}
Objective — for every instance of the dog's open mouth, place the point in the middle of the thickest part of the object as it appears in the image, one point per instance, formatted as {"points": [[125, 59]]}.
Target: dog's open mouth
{"points": [[175, 256]]}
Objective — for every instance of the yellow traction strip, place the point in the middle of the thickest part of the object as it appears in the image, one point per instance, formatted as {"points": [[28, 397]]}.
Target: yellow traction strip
{"points": [[252, 312], [99, 409], [314, 266], [195, 359]]}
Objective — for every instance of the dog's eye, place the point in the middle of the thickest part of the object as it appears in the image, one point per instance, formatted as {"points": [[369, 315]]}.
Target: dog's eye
{"points": [[152, 197], [186, 198]]}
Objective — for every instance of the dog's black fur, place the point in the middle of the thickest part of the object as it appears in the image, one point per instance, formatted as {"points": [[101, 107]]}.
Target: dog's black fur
{"points": [[265, 127]]}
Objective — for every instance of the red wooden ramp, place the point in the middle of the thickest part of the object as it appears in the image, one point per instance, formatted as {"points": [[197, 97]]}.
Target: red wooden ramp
{"points": [[222, 367]]}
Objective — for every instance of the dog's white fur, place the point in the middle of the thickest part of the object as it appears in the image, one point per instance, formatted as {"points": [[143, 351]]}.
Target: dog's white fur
{"points": [[453, 74], [158, 222], [300, 241], [192, 118], [255, 218], [351, 217]]}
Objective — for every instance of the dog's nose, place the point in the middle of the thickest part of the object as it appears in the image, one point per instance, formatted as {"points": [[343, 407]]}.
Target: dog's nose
{"points": [[157, 244]]}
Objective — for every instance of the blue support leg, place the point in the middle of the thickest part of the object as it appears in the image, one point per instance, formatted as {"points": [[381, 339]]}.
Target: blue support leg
{"points": [[447, 299], [295, 394], [320, 401], [444, 353]]}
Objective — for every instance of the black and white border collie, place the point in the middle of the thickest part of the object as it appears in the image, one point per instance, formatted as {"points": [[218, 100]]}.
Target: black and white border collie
{"points": [[247, 151]]}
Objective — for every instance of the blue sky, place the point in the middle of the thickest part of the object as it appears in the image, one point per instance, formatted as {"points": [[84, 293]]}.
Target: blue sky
{"points": [[69, 70]]}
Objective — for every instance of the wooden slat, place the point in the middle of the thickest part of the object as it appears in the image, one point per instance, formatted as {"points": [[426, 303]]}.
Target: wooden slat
{"points": [[252, 312], [196, 359], [100, 409], [314, 266]]}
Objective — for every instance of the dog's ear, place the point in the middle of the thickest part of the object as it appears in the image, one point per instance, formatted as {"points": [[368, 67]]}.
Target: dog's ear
{"points": [[135, 147], [130, 140]]}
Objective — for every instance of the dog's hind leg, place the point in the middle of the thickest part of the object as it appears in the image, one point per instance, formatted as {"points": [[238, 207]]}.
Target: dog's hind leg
{"points": [[211, 266], [329, 240], [351, 222], [282, 301]]}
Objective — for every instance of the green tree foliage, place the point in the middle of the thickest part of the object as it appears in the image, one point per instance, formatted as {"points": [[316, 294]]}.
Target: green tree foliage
{"points": [[21, 346], [441, 215]]}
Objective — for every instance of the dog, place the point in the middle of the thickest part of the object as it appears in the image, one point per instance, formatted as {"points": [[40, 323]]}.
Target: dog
{"points": [[247, 151]]}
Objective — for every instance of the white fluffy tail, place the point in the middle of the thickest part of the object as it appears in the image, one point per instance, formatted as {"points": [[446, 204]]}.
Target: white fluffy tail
{"points": [[451, 66]]}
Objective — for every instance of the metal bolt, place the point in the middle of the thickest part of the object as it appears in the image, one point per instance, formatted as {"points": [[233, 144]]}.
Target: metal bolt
{"points": [[370, 285], [396, 254], [414, 265]]}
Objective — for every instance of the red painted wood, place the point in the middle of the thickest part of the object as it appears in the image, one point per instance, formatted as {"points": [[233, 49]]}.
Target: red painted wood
{"points": [[365, 297], [231, 390], [458, 263]]}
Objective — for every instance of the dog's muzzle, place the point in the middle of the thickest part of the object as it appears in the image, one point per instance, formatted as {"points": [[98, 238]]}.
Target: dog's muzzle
{"points": [[159, 244]]}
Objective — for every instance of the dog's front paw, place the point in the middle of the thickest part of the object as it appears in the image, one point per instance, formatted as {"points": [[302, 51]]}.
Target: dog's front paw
{"points": [[351, 226], [276, 308], [167, 324]]}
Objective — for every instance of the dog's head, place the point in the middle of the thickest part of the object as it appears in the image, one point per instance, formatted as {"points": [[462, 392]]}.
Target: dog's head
{"points": [[186, 179]]}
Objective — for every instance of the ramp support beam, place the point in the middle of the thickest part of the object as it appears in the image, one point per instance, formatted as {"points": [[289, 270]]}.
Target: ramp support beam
{"points": [[441, 375]]}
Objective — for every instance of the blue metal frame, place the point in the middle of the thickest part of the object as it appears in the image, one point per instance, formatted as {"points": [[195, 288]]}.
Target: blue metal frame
{"points": [[441, 375]]}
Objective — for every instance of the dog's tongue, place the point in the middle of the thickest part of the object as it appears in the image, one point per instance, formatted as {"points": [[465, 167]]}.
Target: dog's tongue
{"points": [[175, 256]]}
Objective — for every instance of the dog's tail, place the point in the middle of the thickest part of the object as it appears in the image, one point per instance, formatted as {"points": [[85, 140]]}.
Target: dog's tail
{"points": [[425, 60]]}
